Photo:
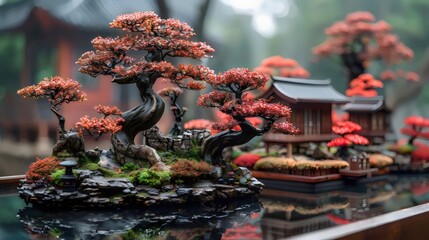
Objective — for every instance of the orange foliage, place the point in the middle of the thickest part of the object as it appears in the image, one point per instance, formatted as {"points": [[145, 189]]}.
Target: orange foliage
{"points": [[247, 160], [42, 169], [198, 124]]}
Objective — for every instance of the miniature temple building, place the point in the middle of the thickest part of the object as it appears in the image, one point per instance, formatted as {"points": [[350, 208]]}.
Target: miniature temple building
{"points": [[311, 102], [371, 114]]}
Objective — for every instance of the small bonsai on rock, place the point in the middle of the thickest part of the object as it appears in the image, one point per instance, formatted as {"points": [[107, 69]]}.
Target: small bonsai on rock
{"points": [[58, 91]]}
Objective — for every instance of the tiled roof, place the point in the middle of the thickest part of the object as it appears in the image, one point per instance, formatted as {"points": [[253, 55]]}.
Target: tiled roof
{"points": [[364, 104], [307, 90]]}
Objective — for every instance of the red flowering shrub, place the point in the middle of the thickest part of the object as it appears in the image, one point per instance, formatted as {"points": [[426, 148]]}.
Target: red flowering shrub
{"points": [[188, 169], [247, 160], [415, 126], [42, 169], [198, 124]]}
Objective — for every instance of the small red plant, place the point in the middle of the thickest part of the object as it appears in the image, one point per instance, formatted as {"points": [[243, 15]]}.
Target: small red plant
{"points": [[348, 138], [96, 127], [247, 160], [41, 169]]}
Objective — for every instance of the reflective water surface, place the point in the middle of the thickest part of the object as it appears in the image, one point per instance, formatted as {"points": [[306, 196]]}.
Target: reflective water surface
{"points": [[274, 215]]}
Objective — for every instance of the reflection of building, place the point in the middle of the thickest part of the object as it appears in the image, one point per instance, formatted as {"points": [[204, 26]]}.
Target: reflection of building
{"points": [[371, 114], [55, 34], [298, 212], [311, 102]]}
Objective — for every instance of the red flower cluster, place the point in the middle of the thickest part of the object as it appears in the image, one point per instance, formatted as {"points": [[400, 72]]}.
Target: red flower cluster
{"points": [[96, 127], [57, 89], [42, 169], [375, 38], [285, 67], [390, 75], [364, 86], [346, 127], [247, 160], [214, 99], [262, 108]]}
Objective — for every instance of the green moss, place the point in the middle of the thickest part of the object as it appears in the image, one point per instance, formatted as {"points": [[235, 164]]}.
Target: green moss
{"points": [[128, 167], [90, 166], [151, 178], [106, 172], [56, 176]]}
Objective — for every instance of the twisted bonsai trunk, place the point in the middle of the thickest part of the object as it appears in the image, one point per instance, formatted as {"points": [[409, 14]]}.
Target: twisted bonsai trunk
{"points": [[214, 145], [178, 117], [353, 64], [140, 119]]}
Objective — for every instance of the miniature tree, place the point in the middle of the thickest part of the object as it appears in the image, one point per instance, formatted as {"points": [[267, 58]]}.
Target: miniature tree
{"points": [[227, 96], [364, 86], [157, 39], [58, 91], [96, 127], [414, 128], [348, 138], [358, 40], [284, 67], [178, 111]]}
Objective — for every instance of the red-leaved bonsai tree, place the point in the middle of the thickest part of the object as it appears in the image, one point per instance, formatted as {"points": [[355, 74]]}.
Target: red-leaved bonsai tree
{"points": [[347, 130], [415, 126], [359, 39], [156, 40], [110, 122], [364, 85], [229, 89], [58, 91]]}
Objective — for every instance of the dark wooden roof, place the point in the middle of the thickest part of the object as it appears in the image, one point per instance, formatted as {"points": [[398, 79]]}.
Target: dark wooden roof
{"points": [[305, 90], [86, 14], [364, 104]]}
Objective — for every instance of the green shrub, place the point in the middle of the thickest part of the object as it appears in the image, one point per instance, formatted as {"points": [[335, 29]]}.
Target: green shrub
{"points": [[150, 177]]}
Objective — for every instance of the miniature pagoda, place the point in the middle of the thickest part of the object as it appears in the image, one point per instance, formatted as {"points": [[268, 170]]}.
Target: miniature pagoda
{"points": [[312, 102]]}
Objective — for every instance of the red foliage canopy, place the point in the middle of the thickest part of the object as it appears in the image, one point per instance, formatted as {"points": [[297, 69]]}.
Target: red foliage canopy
{"points": [[96, 127], [159, 38], [230, 98], [285, 67], [375, 39], [348, 137], [42, 169], [57, 89], [364, 86], [198, 124], [414, 127]]}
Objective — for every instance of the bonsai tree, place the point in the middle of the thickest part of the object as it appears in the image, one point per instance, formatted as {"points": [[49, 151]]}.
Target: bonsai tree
{"points": [[284, 67], [359, 39], [228, 96], [173, 94], [364, 86], [347, 130], [96, 127], [156, 39], [59, 91], [415, 126]]}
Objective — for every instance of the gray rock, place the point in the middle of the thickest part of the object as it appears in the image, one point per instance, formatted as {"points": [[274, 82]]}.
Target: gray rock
{"points": [[107, 160]]}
